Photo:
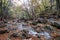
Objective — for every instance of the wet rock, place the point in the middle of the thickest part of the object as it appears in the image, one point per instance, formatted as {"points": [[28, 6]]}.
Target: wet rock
{"points": [[41, 20], [18, 21], [24, 24], [34, 23], [54, 34], [23, 35], [38, 36], [28, 36], [25, 31], [56, 24], [3, 31], [42, 37], [29, 22], [30, 19], [1, 22], [34, 38], [46, 35], [40, 25], [14, 35], [48, 27], [14, 28], [58, 16], [38, 30], [23, 19], [2, 25], [5, 21], [34, 27], [32, 32]]}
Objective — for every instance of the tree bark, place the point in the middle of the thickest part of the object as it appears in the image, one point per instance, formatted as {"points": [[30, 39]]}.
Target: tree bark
{"points": [[58, 5]]}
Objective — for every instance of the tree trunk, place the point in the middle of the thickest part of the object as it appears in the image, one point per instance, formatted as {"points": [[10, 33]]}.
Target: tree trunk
{"points": [[58, 5], [1, 8]]}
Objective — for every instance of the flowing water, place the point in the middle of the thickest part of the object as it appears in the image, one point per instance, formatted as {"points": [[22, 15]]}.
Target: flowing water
{"points": [[32, 31]]}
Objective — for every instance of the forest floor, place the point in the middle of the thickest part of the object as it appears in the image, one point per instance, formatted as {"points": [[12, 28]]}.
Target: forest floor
{"points": [[30, 30]]}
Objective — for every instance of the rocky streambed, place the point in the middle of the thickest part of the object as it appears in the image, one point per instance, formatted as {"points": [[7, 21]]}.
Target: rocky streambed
{"points": [[32, 30]]}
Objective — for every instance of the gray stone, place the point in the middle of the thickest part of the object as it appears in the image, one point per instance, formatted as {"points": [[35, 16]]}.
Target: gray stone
{"points": [[14, 35], [56, 24]]}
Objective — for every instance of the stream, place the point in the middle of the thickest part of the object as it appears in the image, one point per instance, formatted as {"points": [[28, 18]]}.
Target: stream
{"points": [[32, 32]]}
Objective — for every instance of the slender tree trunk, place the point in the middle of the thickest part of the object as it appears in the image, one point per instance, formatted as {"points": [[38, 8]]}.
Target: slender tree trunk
{"points": [[51, 4], [1, 8], [58, 5]]}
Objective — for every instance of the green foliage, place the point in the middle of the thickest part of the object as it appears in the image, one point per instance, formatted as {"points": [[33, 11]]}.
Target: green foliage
{"points": [[37, 7]]}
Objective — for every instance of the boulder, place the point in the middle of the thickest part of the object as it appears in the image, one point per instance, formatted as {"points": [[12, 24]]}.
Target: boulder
{"points": [[2, 25], [42, 37], [28, 36], [34, 22], [48, 27], [54, 34], [23, 35], [14, 35], [34, 38], [41, 20], [34, 27], [5, 21], [40, 25], [38, 29], [56, 24], [58, 16], [23, 19]]}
